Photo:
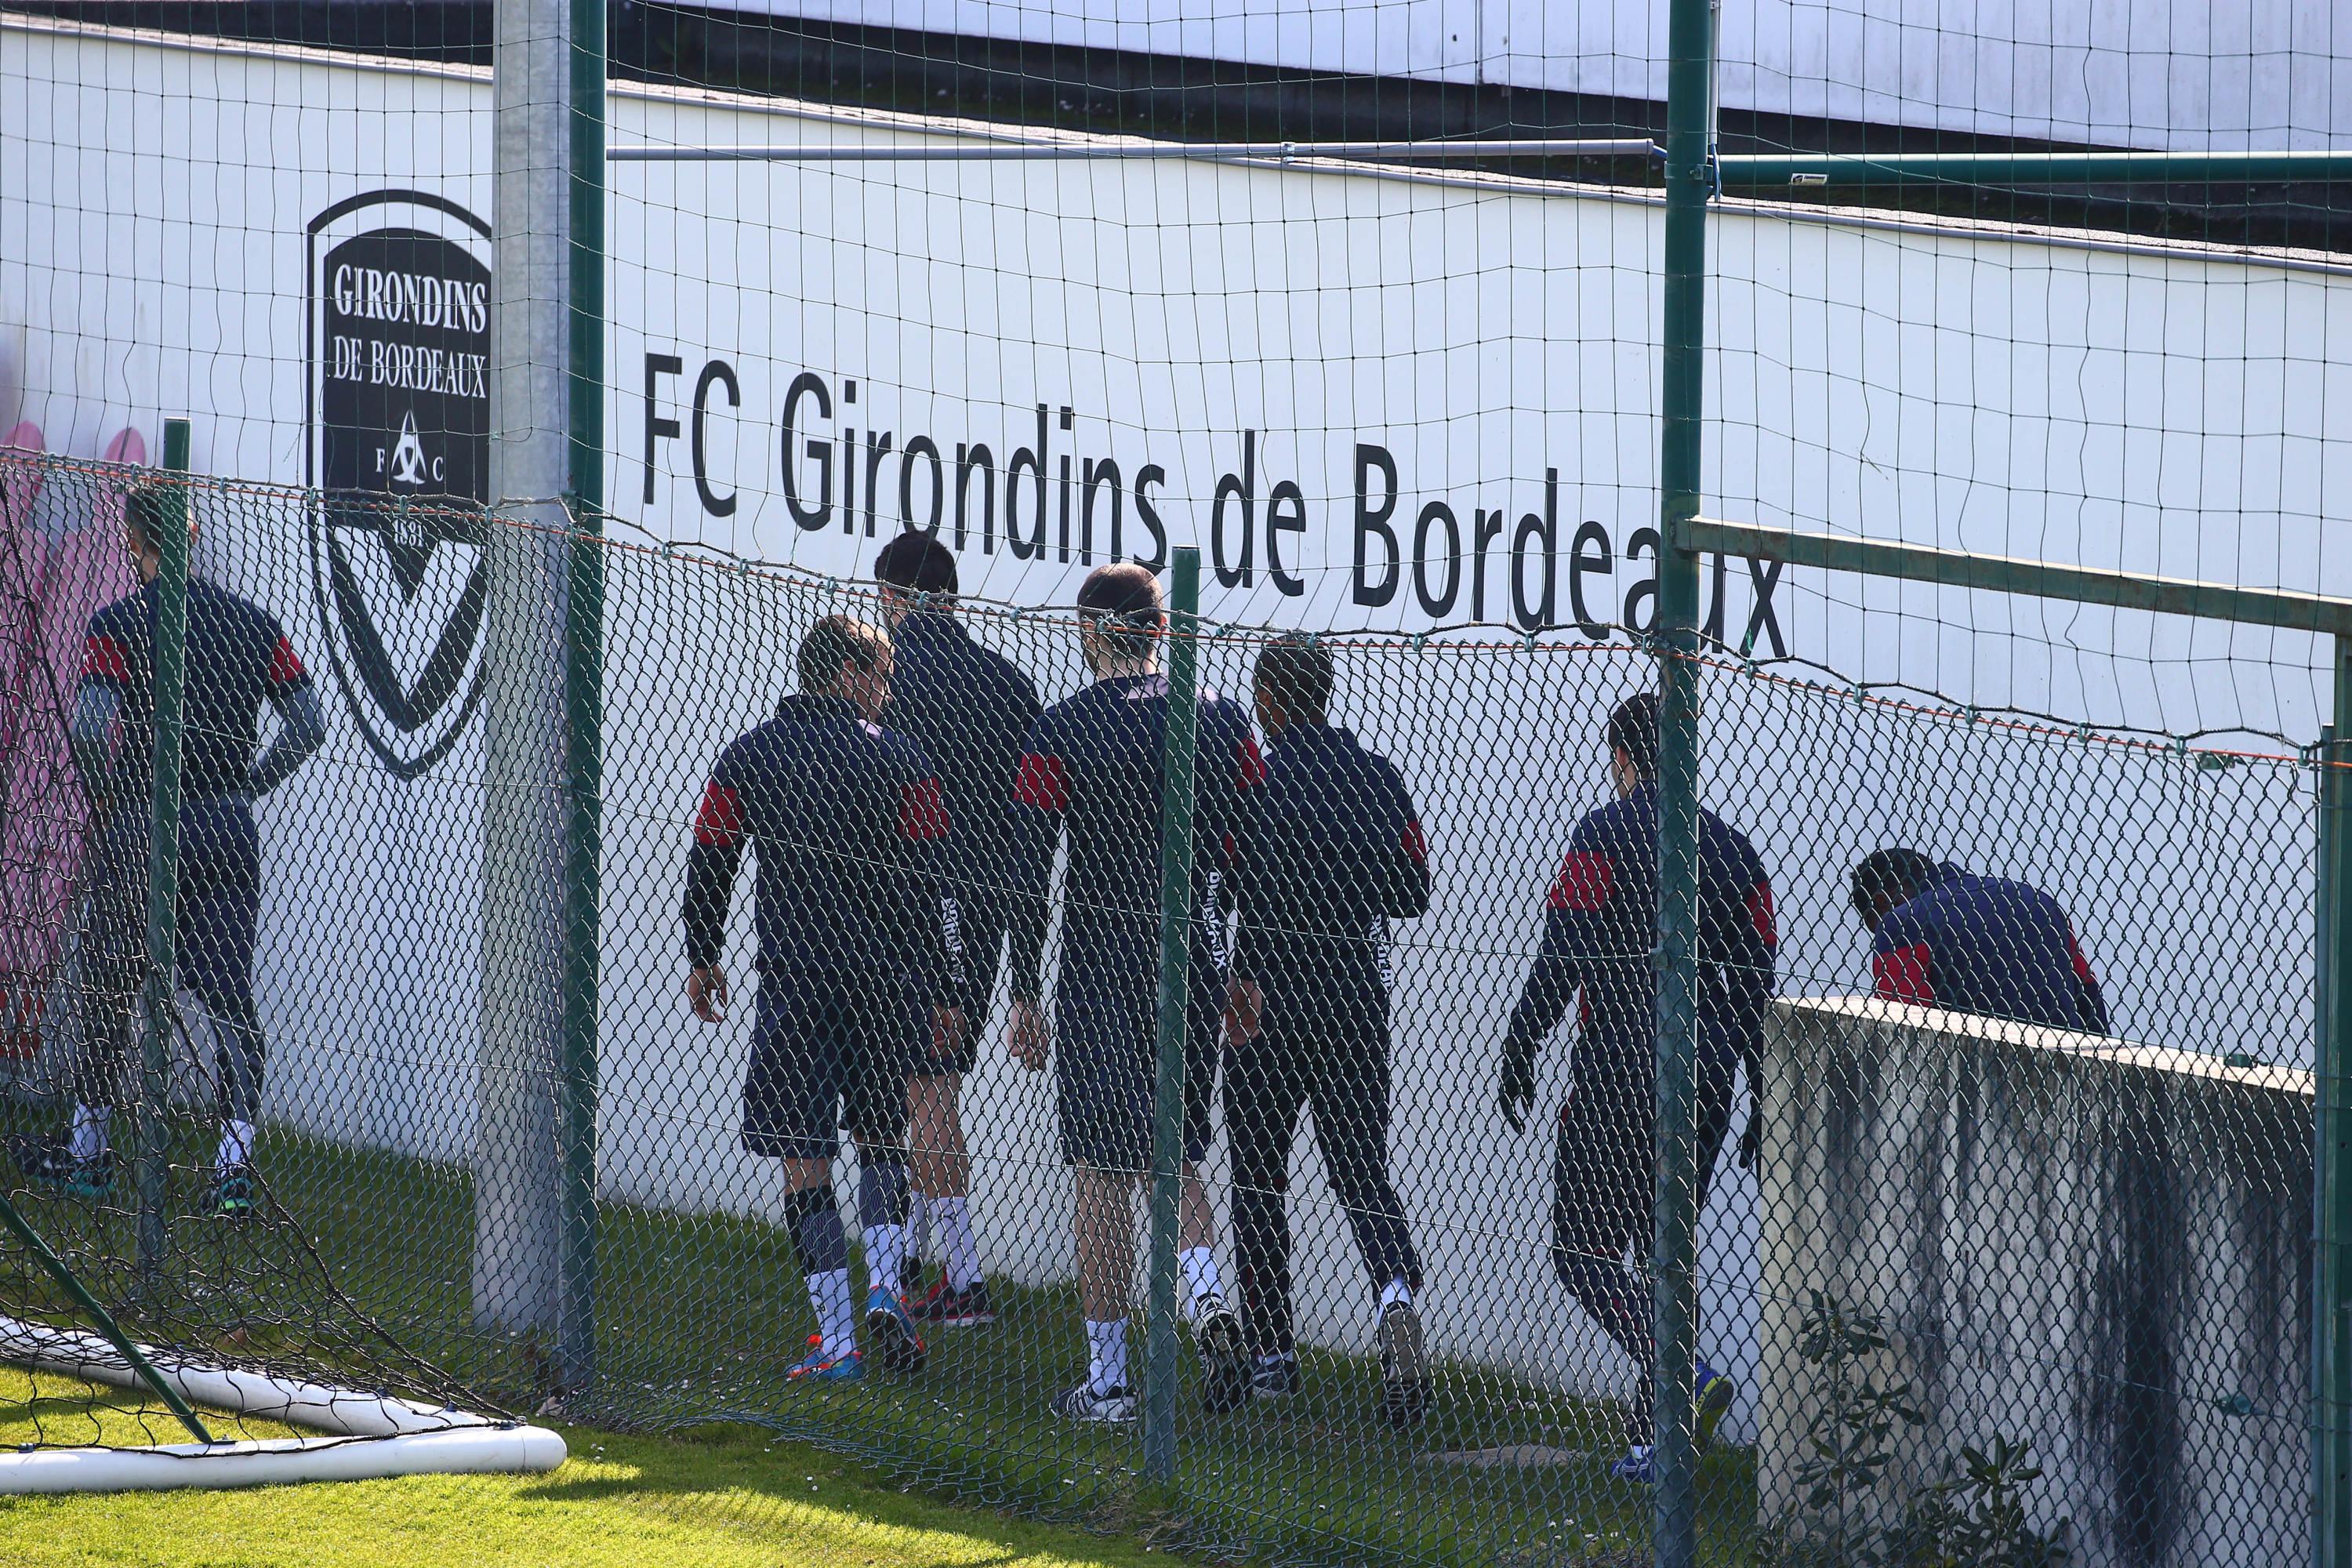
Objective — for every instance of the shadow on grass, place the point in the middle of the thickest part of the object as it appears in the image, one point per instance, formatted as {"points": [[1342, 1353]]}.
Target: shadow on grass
{"points": [[689, 1338]]}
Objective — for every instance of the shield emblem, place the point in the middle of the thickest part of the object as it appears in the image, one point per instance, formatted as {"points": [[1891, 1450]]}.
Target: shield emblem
{"points": [[400, 432]]}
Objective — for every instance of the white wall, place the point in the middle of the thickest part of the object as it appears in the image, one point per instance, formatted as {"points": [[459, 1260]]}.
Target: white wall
{"points": [[2180, 412], [2149, 73]]}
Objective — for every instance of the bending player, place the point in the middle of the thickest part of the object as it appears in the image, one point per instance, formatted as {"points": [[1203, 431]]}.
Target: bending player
{"points": [[1942, 937], [1094, 770], [971, 710], [1330, 851], [237, 658], [846, 817], [1598, 936]]}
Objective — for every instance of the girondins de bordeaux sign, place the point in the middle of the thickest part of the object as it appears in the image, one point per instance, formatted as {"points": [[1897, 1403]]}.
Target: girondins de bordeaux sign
{"points": [[399, 417]]}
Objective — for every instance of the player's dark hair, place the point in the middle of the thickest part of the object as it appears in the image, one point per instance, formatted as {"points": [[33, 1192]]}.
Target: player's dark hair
{"points": [[1295, 674], [1121, 602], [145, 511], [1890, 877], [916, 563], [1632, 729], [833, 645]]}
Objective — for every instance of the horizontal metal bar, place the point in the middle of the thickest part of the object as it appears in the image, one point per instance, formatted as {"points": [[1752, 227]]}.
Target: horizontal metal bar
{"points": [[1025, 152], [1749, 171], [2010, 574]]}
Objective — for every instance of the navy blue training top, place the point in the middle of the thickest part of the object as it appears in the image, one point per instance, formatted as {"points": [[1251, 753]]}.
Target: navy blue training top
{"points": [[1094, 768], [847, 819], [971, 709], [1330, 850], [237, 656], [1600, 929], [1991, 946]]}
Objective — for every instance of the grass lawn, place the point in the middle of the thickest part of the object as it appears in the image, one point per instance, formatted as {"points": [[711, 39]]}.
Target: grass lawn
{"points": [[722, 1496], [697, 1319]]}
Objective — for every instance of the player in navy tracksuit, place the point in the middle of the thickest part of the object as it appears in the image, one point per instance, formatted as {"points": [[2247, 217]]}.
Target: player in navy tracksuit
{"points": [[1942, 937], [1330, 850], [845, 817], [238, 660], [1599, 930], [971, 710], [1094, 770]]}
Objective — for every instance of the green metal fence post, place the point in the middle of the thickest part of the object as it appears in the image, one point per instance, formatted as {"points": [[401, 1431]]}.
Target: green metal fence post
{"points": [[135, 1358], [170, 693], [2331, 1316], [1175, 951], [1682, 400], [584, 702]]}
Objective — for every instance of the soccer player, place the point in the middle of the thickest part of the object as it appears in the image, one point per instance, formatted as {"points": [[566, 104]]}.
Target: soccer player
{"points": [[1942, 937], [237, 658], [971, 710], [846, 818], [1330, 850], [1599, 930], [1094, 770]]}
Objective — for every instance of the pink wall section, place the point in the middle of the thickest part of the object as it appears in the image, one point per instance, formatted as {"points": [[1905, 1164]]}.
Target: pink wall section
{"points": [[61, 556]]}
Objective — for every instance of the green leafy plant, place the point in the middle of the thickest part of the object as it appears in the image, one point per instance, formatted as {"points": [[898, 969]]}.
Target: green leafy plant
{"points": [[1972, 1516]]}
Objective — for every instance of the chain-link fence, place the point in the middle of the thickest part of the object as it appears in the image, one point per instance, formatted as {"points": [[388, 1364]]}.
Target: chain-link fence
{"points": [[2001, 1066]]}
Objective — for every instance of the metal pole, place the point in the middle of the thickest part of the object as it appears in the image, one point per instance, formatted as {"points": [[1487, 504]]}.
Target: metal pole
{"points": [[103, 1319], [1675, 1305], [2331, 1357], [1175, 952], [518, 1198], [2015, 574], [1037, 151], [170, 699], [584, 703]]}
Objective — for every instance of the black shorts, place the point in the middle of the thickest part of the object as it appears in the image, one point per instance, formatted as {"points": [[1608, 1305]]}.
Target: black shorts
{"points": [[219, 905], [981, 928], [827, 1055], [1106, 1068]]}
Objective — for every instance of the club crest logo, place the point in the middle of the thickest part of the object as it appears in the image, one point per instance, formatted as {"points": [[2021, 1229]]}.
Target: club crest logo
{"points": [[399, 420]]}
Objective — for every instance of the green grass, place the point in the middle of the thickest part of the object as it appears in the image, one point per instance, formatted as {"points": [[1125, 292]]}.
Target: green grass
{"points": [[699, 1315], [721, 1497]]}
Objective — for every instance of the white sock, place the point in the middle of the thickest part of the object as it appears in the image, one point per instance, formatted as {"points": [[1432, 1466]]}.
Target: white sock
{"points": [[236, 1143], [885, 1256], [1395, 1291], [958, 1248], [87, 1140], [1200, 1277], [1106, 1355], [919, 1230], [836, 1320]]}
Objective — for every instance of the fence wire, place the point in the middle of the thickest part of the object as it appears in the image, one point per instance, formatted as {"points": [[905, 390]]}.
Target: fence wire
{"points": [[2004, 1057]]}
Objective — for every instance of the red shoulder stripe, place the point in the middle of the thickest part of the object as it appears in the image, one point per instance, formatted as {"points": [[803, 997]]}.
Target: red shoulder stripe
{"points": [[720, 824], [1584, 881], [105, 659], [1759, 910], [1043, 781], [284, 664], [1416, 844], [2082, 965], [1902, 976], [922, 815]]}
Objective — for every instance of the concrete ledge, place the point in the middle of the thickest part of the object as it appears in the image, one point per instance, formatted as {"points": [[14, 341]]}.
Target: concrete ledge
{"points": [[2099, 1249]]}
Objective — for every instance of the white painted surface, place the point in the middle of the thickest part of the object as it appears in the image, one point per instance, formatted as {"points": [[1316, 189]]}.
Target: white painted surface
{"points": [[2099, 1252], [2178, 412]]}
